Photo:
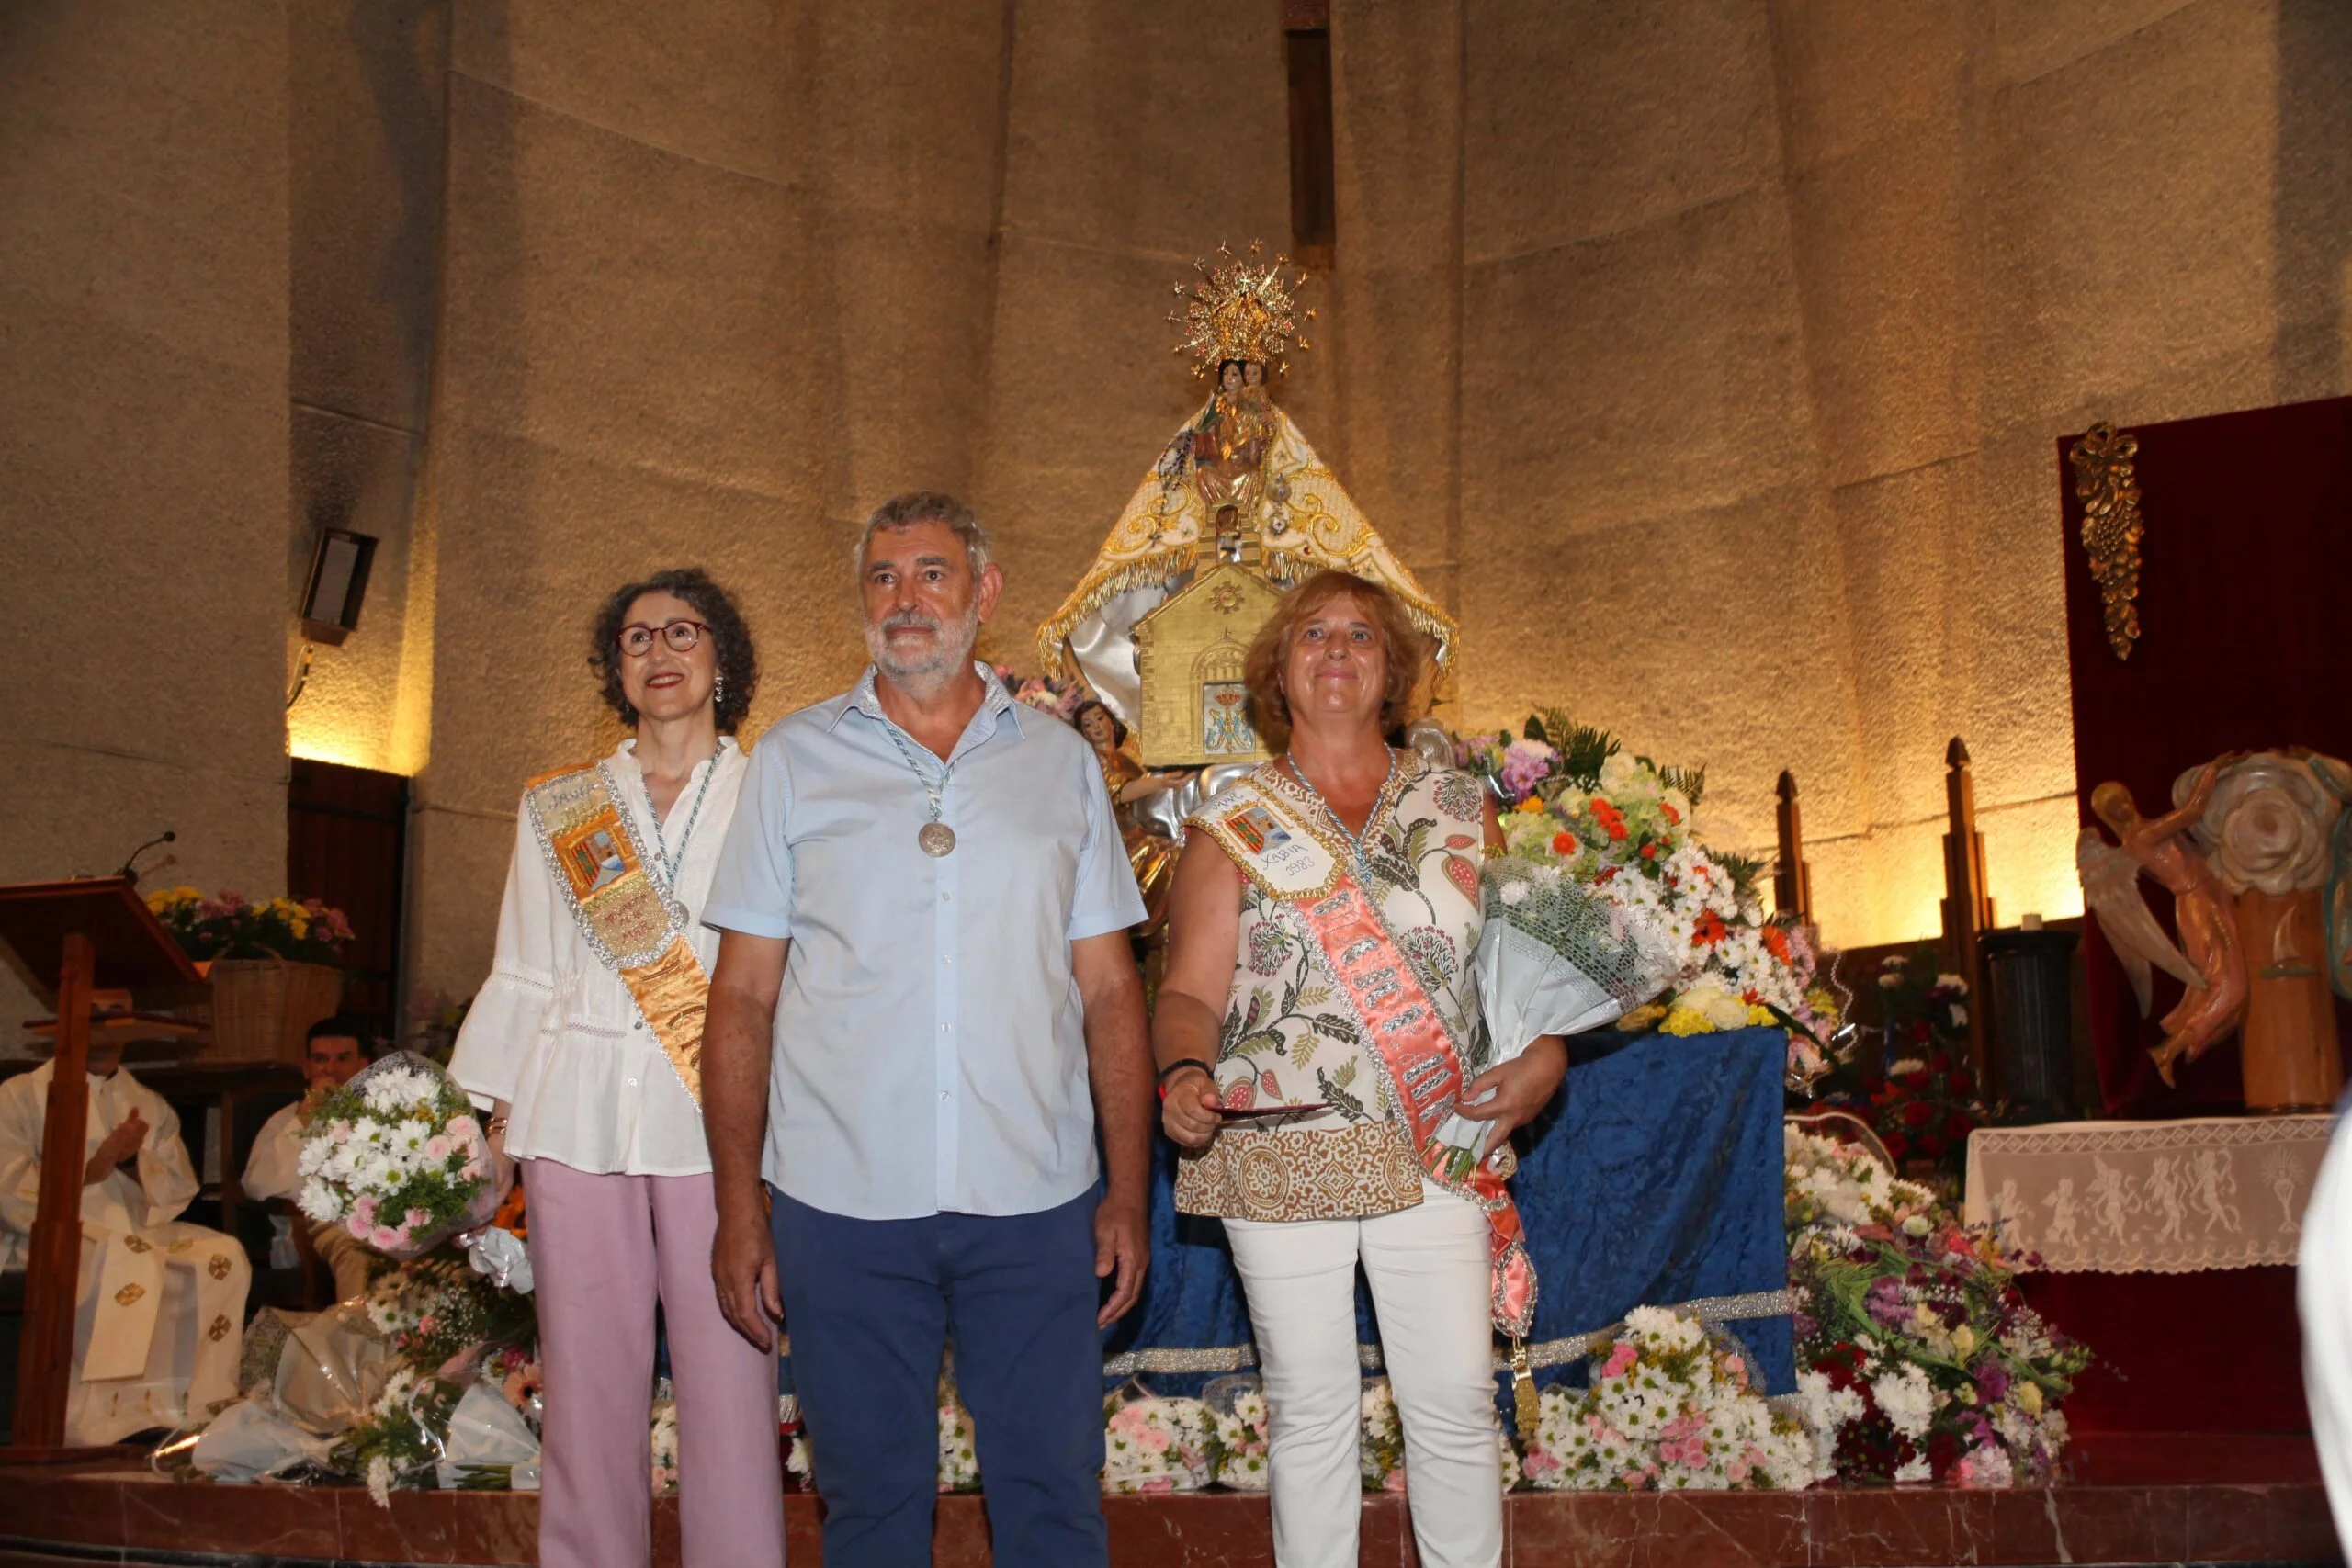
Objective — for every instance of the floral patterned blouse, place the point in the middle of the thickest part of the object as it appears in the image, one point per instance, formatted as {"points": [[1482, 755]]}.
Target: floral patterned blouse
{"points": [[1291, 1035]]}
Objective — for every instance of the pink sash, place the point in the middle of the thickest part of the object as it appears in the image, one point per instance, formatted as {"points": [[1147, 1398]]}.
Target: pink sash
{"points": [[1412, 1043]]}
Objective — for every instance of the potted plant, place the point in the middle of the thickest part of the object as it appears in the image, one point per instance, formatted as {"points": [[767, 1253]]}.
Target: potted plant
{"points": [[274, 965]]}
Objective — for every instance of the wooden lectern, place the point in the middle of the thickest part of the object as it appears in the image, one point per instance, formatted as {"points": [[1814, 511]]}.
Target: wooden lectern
{"points": [[89, 933]]}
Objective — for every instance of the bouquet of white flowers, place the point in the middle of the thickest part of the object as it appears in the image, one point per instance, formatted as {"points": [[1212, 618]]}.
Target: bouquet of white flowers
{"points": [[1668, 1410], [398, 1158], [1554, 957], [1151, 1444], [1236, 1404]]}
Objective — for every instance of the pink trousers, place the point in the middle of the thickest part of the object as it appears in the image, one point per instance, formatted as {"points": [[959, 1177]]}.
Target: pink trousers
{"points": [[602, 1247]]}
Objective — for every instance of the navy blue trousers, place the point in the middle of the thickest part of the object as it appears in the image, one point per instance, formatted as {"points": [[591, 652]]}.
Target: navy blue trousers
{"points": [[869, 1305]]}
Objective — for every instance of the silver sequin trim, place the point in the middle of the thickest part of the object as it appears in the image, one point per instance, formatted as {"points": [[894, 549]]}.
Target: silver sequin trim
{"points": [[1546, 1353]]}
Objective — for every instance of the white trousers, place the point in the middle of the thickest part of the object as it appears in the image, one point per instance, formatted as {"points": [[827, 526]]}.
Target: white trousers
{"points": [[2324, 1301], [1428, 1269]]}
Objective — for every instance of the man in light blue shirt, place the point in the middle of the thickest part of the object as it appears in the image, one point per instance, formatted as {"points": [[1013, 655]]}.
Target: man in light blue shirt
{"points": [[924, 1005]]}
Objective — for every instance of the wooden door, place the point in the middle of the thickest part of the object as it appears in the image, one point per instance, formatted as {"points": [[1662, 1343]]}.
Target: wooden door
{"points": [[347, 844]]}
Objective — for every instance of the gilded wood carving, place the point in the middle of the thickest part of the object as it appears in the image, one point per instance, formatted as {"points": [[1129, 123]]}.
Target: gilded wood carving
{"points": [[2111, 526]]}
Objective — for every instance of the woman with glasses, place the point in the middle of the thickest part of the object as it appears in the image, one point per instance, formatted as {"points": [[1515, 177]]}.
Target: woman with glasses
{"points": [[586, 1045]]}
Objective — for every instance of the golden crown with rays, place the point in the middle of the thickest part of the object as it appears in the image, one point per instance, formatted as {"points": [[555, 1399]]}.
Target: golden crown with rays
{"points": [[1240, 309]]}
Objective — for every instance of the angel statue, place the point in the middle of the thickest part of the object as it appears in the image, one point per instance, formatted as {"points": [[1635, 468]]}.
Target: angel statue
{"points": [[2336, 777], [1237, 484], [2159, 848]]}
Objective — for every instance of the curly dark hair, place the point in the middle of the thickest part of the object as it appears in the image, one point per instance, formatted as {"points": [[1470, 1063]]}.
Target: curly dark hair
{"points": [[739, 666]]}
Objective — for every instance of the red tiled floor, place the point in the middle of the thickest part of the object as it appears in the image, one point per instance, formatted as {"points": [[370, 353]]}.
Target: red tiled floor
{"points": [[2130, 1502], [171, 1515], [419, 1526]]}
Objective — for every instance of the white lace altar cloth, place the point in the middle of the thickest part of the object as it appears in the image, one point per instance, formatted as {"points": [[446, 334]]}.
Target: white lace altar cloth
{"points": [[2149, 1197]]}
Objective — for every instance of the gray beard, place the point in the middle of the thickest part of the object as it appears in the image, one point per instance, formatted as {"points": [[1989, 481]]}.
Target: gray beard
{"points": [[927, 677]]}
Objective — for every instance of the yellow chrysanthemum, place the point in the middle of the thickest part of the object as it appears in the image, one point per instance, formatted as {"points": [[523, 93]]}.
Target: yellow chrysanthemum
{"points": [[1686, 1021]]}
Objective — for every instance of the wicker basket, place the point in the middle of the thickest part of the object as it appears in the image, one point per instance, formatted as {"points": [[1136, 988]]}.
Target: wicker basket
{"points": [[262, 1007]]}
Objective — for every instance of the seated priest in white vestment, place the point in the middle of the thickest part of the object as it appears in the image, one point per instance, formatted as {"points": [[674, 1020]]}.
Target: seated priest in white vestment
{"points": [[332, 1057], [160, 1318]]}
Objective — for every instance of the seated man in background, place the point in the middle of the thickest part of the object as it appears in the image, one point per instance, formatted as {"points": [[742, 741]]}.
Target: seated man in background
{"points": [[161, 1311], [332, 1057]]}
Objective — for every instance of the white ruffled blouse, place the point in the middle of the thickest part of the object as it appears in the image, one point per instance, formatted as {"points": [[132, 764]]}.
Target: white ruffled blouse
{"points": [[556, 1035]]}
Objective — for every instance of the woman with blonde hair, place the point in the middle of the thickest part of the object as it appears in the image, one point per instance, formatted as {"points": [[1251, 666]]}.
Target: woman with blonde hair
{"points": [[1315, 1031]]}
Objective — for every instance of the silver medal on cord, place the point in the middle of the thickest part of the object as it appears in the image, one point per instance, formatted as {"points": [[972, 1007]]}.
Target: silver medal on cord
{"points": [[935, 838]]}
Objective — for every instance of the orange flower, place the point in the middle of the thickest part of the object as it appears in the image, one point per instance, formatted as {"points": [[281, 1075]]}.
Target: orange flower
{"points": [[1670, 814], [1649, 851], [1710, 929], [1776, 942], [1617, 831], [1564, 843]]}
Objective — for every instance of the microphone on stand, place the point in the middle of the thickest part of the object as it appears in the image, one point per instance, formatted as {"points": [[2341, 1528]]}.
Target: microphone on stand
{"points": [[129, 873]]}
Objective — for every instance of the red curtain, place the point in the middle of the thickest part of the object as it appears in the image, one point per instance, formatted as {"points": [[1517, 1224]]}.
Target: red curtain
{"points": [[2245, 620]]}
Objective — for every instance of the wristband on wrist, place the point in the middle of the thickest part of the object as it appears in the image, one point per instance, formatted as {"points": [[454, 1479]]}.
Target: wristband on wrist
{"points": [[1183, 1062]]}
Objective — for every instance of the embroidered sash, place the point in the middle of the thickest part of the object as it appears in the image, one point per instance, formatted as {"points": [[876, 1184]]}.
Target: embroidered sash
{"points": [[1292, 860], [633, 924]]}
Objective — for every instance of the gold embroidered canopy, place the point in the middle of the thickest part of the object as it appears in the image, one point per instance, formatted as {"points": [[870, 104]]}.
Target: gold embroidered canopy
{"points": [[1238, 483]]}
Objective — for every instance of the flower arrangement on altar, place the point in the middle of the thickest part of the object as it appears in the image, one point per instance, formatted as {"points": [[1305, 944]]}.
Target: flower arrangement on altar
{"points": [[1241, 1440], [959, 1455], [1151, 1444], [663, 1446], [397, 1157], [1926, 1106], [1917, 1358], [227, 926], [1381, 1449], [1623, 826], [1668, 1410]]}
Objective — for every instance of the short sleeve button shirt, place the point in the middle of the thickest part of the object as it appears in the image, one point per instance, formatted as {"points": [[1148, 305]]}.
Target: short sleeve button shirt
{"points": [[930, 1051]]}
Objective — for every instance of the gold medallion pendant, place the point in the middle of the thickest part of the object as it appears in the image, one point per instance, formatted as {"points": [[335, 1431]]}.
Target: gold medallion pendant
{"points": [[937, 839]]}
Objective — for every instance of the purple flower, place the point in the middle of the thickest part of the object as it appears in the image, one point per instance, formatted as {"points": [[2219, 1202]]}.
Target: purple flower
{"points": [[1993, 1382], [1884, 1301], [1526, 765]]}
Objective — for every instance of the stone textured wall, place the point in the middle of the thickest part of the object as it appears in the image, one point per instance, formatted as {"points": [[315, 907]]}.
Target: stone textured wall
{"points": [[367, 99], [1705, 358], [719, 278], [1763, 319], [142, 473]]}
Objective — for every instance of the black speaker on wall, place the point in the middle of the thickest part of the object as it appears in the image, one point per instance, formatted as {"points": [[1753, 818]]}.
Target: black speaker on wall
{"points": [[338, 582]]}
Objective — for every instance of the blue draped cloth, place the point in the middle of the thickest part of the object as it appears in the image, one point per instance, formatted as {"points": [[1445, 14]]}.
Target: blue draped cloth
{"points": [[1653, 1178]]}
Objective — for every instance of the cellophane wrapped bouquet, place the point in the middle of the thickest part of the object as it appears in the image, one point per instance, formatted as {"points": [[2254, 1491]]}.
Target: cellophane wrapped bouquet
{"points": [[1150, 1444], [440, 1313], [1668, 1409], [1623, 826], [397, 1157], [1381, 1450], [1554, 957], [1237, 1409], [1917, 1358], [402, 1439]]}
